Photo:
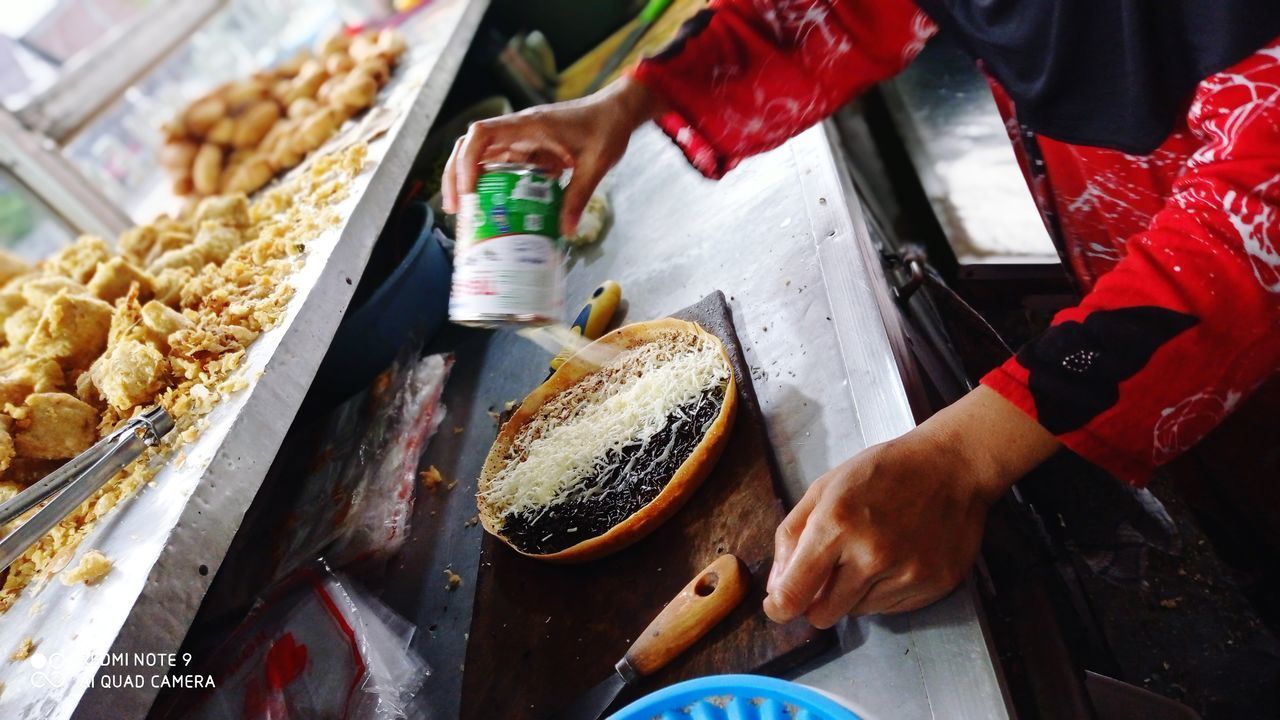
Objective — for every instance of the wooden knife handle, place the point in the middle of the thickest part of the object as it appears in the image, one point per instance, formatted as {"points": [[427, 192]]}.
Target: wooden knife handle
{"points": [[705, 601]]}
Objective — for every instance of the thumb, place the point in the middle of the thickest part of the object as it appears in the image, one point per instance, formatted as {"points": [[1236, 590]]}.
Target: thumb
{"points": [[584, 181]]}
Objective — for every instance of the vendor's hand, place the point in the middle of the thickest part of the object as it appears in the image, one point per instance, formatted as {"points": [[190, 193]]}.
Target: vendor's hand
{"points": [[898, 526], [588, 135]]}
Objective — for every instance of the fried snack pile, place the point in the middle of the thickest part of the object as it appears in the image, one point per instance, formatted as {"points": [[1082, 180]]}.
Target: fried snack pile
{"points": [[91, 337], [241, 135]]}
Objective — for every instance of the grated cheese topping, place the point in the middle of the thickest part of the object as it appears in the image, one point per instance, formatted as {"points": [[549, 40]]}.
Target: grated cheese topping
{"points": [[627, 401]]}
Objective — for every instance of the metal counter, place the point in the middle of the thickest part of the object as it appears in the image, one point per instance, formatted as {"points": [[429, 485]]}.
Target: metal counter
{"points": [[958, 145], [168, 542], [784, 238]]}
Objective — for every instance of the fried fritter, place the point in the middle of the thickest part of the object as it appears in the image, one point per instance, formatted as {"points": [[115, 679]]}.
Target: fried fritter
{"points": [[11, 266], [40, 289], [230, 210], [129, 374], [33, 375], [161, 321], [72, 329], [213, 242], [78, 260], [136, 243], [112, 279], [53, 426], [7, 451], [19, 326]]}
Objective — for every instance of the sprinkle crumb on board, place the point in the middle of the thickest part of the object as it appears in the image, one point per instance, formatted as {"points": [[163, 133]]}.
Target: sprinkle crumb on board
{"points": [[432, 480], [452, 580]]}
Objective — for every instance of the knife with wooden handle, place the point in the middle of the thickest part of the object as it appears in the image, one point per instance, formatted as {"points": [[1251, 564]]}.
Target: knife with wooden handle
{"points": [[702, 604]]}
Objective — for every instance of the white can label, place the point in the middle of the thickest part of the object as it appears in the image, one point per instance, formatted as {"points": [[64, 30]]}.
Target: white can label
{"points": [[519, 276]]}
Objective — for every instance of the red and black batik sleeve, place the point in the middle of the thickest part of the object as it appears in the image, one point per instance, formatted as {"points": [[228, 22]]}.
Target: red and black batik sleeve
{"points": [[742, 76], [1188, 322]]}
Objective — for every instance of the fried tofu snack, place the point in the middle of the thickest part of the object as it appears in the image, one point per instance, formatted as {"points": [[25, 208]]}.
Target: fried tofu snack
{"points": [[53, 426]]}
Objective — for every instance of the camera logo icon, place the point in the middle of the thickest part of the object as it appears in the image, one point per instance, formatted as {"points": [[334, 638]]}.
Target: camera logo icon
{"points": [[49, 670]]}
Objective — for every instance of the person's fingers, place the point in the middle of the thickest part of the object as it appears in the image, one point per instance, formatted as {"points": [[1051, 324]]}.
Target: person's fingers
{"points": [[449, 181], [470, 155], [586, 176], [849, 585], [788, 533], [544, 160], [805, 573]]}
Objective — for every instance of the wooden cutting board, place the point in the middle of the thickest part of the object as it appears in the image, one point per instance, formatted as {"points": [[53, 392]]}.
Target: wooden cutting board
{"points": [[541, 634]]}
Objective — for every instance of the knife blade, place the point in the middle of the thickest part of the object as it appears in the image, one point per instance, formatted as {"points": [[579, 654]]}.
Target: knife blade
{"points": [[701, 604]]}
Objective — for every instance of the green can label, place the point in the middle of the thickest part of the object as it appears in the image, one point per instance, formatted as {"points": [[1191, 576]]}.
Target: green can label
{"points": [[509, 258]]}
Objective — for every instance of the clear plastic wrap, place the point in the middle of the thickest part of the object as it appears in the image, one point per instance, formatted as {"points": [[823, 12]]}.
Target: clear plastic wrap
{"points": [[358, 496], [322, 647], [387, 466]]}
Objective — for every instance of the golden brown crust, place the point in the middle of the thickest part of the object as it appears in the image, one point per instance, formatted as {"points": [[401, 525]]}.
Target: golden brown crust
{"points": [[687, 478]]}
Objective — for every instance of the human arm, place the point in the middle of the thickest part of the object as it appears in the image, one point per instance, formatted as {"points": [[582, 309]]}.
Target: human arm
{"points": [[1154, 357], [588, 135], [897, 526], [743, 76], [738, 79], [1168, 342]]}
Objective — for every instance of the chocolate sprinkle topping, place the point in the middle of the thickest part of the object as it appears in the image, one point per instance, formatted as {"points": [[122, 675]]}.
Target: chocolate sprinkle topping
{"points": [[636, 478]]}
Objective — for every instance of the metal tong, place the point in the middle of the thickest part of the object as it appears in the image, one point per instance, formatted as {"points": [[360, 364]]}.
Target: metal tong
{"points": [[78, 480]]}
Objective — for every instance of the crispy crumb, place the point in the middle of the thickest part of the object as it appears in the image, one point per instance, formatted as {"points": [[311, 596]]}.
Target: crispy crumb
{"points": [[452, 580], [92, 568], [457, 429], [509, 406], [497, 417], [432, 480], [1170, 603], [201, 323], [24, 650], [472, 521]]}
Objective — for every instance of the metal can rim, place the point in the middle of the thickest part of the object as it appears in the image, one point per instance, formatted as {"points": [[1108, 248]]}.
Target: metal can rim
{"points": [[515, 167]]}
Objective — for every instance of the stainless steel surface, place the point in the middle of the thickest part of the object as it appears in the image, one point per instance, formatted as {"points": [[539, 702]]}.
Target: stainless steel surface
{"points": [[957, 141], [98, 465], [168, 541], [783, 237]]}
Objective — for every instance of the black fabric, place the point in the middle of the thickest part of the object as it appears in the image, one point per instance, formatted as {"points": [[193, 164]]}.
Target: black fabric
{"points": [[690, 28], [1076, 368], [1109, 73]]}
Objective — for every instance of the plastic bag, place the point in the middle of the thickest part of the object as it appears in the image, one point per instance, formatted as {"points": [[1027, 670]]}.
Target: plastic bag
{"points": [[322, 648], [387, 465], [358, 497]]}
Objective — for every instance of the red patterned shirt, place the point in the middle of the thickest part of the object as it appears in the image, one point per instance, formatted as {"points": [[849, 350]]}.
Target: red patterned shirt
{"points": [[1178, 250]]}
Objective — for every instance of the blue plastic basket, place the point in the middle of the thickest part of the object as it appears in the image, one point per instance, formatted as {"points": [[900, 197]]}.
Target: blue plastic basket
{"points": [[735, 697]]}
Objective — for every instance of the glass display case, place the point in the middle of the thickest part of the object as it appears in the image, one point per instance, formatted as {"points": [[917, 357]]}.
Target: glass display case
{"points": [[29, 228], [195, 48]]}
